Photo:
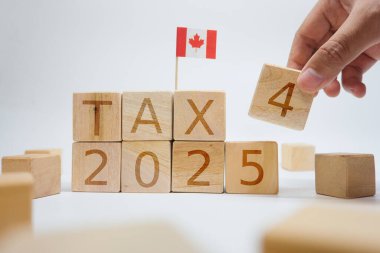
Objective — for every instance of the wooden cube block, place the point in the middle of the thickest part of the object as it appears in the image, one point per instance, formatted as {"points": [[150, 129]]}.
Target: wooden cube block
{"points": [[147, 115], [327, 229], [16, 193], [198, 167], [278, 100], [252, 167], [345, 175], [199, 116], [146, 166], [46, 171], [51, 151], [97, 117], [298, 156], [96, 166]]}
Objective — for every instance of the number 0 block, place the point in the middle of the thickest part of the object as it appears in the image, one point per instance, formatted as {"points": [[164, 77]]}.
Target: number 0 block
{"points": [[198, 167], [252, 167], [278, 100], [96, 166], [146, 166]]}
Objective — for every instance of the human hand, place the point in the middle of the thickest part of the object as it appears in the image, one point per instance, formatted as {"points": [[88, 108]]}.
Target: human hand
{"points": [[337, 36]]}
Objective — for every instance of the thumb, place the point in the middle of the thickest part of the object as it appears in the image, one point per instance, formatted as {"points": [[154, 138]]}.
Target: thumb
{"points": [[351, 39]]}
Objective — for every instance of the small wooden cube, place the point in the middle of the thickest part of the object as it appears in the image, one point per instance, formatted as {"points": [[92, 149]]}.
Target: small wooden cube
{"points": [[278, 100], [97, 117], [199, 116], [51, 151], [147, 116], [16, 193], [327, 229], [345, 175], [146, 166], [198, 167], [298, 156], [252, 167], [46, 171], [96, 166]]}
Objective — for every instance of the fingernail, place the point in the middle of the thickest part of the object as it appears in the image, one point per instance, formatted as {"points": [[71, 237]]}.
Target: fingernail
{"points": [[310, 80]]}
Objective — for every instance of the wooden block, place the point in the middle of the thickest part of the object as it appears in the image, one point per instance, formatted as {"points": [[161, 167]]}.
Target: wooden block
{"points": [[51, 151], [345, 175], [198, 167], [298, 156], [96, 166], [146, 166], [252, 167], [199, 115], [278, 100], [326, 229], [16, 192], [46, 171], [97, 117], [147, 116]]}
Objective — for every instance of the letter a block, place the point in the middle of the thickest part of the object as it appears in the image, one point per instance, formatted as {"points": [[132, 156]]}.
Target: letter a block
{"points": [[146, 166], [199, 116], [278, 100], [97, 117], [198, 167], [252, 167], [96, 166], [345, 175], [147, 116]]}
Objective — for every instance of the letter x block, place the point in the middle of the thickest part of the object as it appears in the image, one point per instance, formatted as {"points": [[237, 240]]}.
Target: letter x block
{"points": [[252, 167], [199, 115], [278, 100], [147, 115], [97, 117]]}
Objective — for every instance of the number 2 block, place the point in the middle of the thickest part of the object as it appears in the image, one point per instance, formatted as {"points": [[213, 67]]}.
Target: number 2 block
{"points": [[278, 100], [96, 166], [198, 167], [252, 167]]}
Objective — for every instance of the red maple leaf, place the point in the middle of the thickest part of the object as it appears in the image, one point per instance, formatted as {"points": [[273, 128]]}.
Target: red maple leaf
{"points": [[196, 42]]}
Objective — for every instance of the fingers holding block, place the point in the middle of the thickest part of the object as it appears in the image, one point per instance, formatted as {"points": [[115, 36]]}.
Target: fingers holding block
{"points": [[278, 100], [345, 175], [198, 167], [96, 166], [252, 167], [147, 115], [146, 166], [97, 116], [199, 116], [298, 156]]}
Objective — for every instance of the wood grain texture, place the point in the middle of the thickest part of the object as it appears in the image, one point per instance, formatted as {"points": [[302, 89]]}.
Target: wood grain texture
{"points": [[272, 80], [96, 166], [97, 116], [147, 116], [199, 115], [327, 229], [46, 171], [16, 193], [298, 156], [252, 167], [198, 167], [146, 166], [345, 175]]}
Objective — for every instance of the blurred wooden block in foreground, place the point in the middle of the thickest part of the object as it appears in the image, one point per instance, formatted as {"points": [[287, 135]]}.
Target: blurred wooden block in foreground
{"points": [[16, 193], [46, 171], [298, 156], [345, 175], [50, 151], [326, 229]]}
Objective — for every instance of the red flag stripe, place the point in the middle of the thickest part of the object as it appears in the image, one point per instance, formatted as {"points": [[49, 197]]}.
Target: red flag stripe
{"points": [[181, 41], [211, 44]]}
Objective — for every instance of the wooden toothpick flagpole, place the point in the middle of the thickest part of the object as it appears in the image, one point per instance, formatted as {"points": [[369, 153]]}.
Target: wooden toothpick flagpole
{"points": [[176, 73]]}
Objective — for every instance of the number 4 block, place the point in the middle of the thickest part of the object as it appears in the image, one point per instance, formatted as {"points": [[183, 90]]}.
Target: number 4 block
{"points": [[278, 100]]}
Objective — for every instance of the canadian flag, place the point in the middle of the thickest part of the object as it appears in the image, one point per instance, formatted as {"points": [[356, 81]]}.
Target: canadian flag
{"points": [[196, 43]]}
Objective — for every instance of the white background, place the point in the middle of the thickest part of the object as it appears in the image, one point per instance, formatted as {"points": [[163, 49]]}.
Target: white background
{"points": [[50, 49]]}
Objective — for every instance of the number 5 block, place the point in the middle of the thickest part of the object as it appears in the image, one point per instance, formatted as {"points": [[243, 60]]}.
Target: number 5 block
{"points": [[278, 100], [252, 167]]}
